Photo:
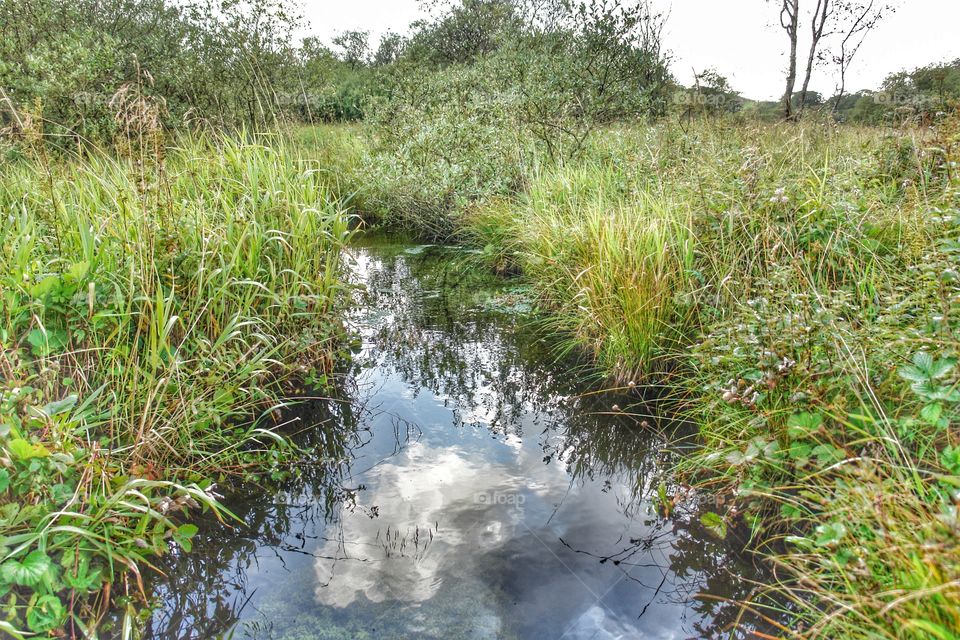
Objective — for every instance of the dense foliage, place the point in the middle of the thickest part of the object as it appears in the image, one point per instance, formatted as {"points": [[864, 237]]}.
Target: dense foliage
{"points": [[796, 283], [563, 65], [223, 64], [153, 303], [212, 63]]}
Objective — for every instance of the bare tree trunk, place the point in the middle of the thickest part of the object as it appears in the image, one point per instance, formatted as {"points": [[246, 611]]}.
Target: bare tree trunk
{"points": [[864, 19], [789, 20], [840, 91], [817, 26]]}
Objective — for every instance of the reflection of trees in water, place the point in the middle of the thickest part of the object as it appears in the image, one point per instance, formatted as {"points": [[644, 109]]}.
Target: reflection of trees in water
{"points": [[493, 368], [677, 562], [428, 324], [439, 338]]}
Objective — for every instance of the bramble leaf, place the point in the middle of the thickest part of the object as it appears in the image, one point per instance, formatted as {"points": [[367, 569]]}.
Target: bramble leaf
{"points": [[801, 425]]}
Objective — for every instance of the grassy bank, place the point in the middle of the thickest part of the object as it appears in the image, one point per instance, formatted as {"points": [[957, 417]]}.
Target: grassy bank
{"points": [[154, 300], [798, 283]]}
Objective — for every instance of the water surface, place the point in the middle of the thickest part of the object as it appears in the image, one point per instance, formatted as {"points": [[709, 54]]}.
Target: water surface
{"points": [[466, 484]]}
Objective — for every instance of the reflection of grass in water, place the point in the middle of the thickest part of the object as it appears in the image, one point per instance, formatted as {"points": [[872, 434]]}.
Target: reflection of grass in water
{"points": [[456, 276], [462, 609], [514, 300]]}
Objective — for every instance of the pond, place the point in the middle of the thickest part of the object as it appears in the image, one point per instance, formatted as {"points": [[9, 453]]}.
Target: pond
{"points": [[467, 483]]}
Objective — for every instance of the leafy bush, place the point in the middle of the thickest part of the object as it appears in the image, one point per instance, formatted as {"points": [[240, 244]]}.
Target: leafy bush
{"points": [[442, 140]]}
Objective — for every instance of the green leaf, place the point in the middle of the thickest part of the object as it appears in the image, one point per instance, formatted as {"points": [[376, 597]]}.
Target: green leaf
{"points": [[78, 271], [46, 614], [45, 286], [23, 450], [800, 453], [46, 342], [714, 524], [736, 458], [59, 406], [913, 374], [941, 368], [923, 361], [829, 535], [28, 573], [184, 534], [931, 413], [4, 480], [801, 425], [827, 454], [930, 390], [80, 577], [950, 459], [61, 493], [9, 513]]}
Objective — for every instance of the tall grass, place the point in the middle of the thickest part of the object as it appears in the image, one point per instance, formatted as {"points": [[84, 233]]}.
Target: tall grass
{"points": [[800, 283], [152, 305], [827, 293], [608, 264]]}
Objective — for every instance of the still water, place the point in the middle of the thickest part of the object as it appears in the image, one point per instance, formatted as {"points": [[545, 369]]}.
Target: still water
{"points": [[466, 483]]}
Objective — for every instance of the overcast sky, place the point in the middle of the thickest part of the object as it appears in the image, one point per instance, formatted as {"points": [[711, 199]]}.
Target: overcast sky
{"points": [[740, 38]]}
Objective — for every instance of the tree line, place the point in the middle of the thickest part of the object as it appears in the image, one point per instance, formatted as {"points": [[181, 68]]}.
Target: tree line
{"points": [[565, 65]]}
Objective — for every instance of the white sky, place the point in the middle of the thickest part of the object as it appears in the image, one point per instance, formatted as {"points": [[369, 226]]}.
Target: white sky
{"points": [[742, 39]]}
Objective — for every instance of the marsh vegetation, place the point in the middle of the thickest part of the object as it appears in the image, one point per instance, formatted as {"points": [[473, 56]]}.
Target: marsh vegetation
{"points": [[172, 276]]}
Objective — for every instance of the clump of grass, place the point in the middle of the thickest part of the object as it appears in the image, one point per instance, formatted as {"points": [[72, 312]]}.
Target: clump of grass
{"points": [[153, 303], [883, 565], [609, 266]]}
